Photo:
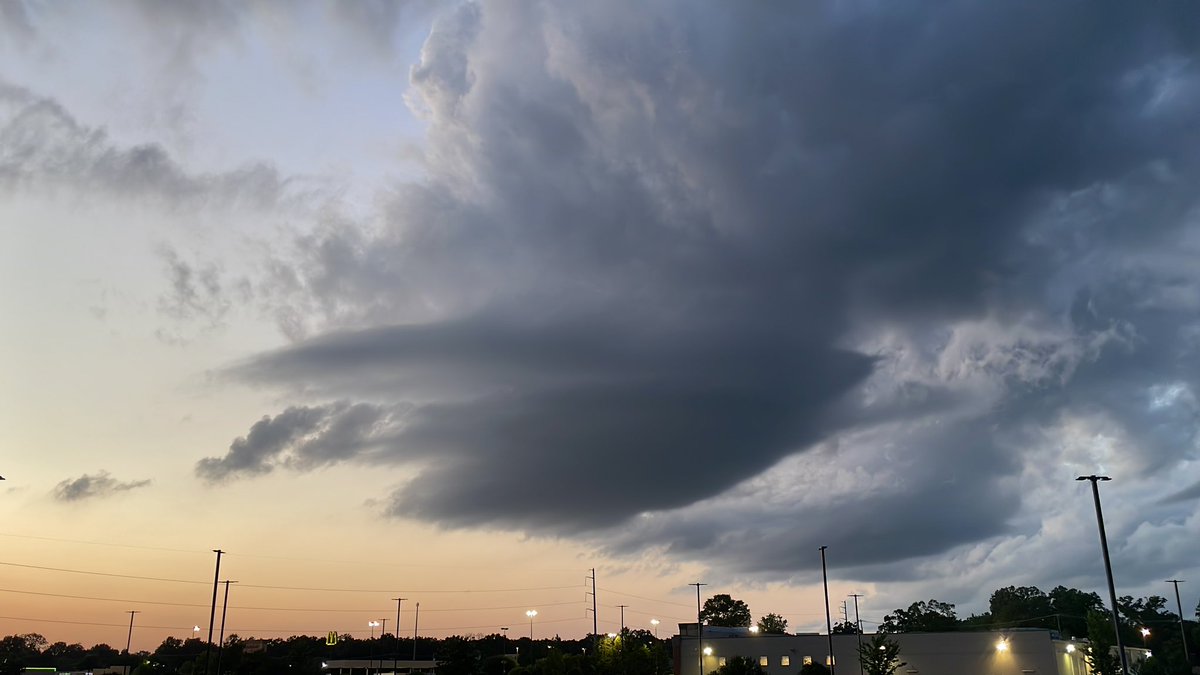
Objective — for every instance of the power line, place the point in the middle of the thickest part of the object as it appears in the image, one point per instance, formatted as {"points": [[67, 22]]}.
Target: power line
{"points": [[294, 588], [414, 591], [102, 574], [100, 543], [639, 597], [271, 609]]}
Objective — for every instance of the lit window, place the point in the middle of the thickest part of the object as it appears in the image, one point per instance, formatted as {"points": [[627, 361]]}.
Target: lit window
{"points": [[829, 661], [764, 661], [785, 660], [721, 661], [808, 660]]}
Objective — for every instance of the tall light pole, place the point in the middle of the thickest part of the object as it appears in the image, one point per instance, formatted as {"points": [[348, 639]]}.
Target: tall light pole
{"points": [[371, 650], [655, 622], [416, 627], [828, 620], [699, 630], [1112, 589], [531, 613], [1187, 656]]}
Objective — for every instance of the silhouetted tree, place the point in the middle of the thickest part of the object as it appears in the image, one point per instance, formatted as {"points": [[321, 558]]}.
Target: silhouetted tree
{"points": [[1100, 657], [880, 655], [723, 610], [921, 617], [845, 628], [772, 624]]}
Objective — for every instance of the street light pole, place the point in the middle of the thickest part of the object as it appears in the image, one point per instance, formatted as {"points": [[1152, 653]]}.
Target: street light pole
{"points": [[1187, 656], [416, 627], [1112, 589], [655, 622], [828, 621], [531, 613], [370, 645]]}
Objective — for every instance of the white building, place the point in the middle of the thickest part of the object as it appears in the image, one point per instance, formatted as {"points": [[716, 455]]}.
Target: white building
{"points": [[1011, 652]]}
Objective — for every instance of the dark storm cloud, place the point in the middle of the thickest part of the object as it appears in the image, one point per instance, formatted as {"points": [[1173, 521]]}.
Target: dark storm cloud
{"points": [[661, 249], [93, 486], [299, 437]]}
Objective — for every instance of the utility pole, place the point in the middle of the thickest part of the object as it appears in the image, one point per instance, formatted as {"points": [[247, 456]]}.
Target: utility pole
{"points": [[224, 611], [212, 614], [858, 623], [416, 624], [828, 621], [699, 629], [595, 621], [1187, 656], [1112, 589], [396, 654], [129, 638]]}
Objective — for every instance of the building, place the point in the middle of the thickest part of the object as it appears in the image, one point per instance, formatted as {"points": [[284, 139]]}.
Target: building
{"points": [[377, 666], [1010, 652]]}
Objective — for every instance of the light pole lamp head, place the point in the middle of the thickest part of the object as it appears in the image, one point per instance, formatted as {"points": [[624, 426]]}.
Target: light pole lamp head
{"points": [[1093, 477], [531, 613]]}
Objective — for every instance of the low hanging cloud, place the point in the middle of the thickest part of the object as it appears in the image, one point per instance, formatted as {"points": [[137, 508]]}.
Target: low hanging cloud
{"points": [[94, 486], [730, 280]]}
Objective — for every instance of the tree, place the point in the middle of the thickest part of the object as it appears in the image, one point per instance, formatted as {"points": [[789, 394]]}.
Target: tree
{"points": [[772, 624], [814, 668], [1021, 606], [723, 610], [845, 628], [880, 656], [740, 665], [1071, 607], [1100, 657], [921, 617]]}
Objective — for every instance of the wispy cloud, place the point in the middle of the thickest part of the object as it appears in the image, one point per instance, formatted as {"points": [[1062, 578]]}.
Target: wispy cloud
{"points": [[94, 486]]}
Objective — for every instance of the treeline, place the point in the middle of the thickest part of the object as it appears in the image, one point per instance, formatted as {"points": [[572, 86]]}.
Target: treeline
{"points": [[636, 652], [1074, 614]]}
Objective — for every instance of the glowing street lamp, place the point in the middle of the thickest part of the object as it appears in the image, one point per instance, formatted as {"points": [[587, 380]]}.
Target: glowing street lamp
{"points": [[531, 613], [655, 622], [1145, 634]]}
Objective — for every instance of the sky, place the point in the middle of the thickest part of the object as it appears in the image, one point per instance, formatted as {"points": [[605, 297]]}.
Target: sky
{"points": [[458, 301]]}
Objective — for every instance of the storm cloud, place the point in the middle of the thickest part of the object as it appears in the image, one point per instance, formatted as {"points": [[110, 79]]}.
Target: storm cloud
{"points": [[880, 275], [93, 486]]}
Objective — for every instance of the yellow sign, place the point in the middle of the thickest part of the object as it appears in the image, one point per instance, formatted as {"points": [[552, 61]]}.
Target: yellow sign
{"points": [[331, 639]]}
